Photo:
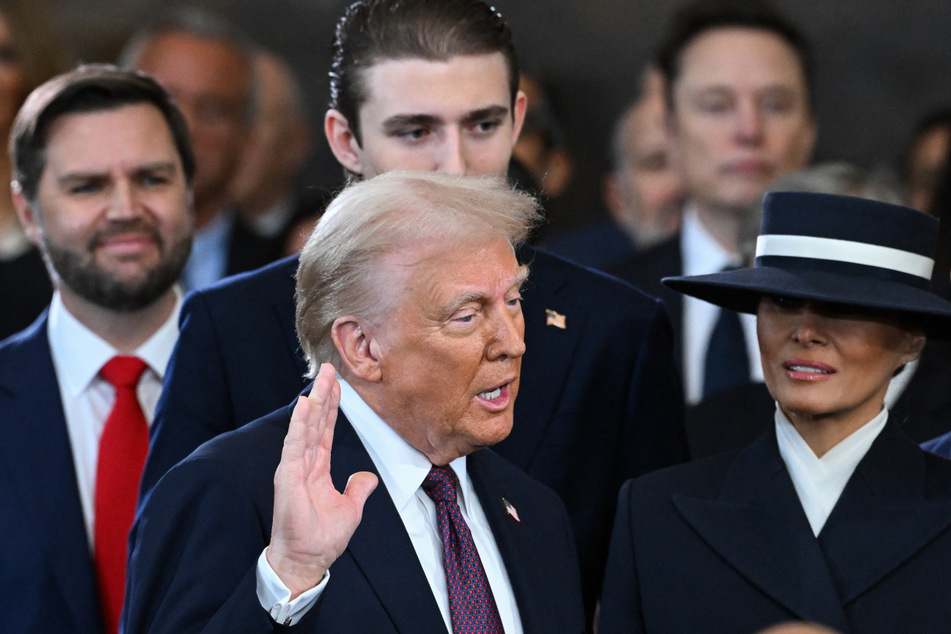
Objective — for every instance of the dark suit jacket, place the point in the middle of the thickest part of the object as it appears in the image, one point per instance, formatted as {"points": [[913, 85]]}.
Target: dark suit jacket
{"points": [[599, 401], [646, 268], [733, 419], [196, 543], [248, 251], [25, 290], [47, 582], [723, 545]]}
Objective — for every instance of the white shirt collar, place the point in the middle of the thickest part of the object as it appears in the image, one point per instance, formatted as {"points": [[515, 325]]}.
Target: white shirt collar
{"points": [[79, 353], [701, 253], [819, 481], [401, 466]]}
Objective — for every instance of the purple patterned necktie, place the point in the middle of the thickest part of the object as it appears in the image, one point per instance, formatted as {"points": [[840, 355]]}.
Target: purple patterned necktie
{"points": [[470, 598]]}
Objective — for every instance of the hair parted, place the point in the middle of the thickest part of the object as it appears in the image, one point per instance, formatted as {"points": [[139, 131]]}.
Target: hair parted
{"points": [[88, 88], [700, 16], [342, 266], [372, 31]]}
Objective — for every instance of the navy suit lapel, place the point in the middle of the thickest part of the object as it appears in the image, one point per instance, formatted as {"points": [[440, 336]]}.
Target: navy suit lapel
{"points": [[757, 525], [37, 455], [380, 547], [521, 541], [882, 519], [542, 380]]}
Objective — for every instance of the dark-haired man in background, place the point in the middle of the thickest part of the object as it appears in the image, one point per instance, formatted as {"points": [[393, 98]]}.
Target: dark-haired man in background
{"points": [[738, 79]]}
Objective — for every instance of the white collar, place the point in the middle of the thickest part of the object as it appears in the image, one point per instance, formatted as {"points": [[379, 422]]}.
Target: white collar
{"points": [[79, 353], [401, 466], [700, 252], [819, 481]]}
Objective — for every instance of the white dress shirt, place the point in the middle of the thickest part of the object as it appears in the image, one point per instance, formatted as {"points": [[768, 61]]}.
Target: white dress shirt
{"points": [[403, 469], [78, 355], [819, 481], [703, 255]]}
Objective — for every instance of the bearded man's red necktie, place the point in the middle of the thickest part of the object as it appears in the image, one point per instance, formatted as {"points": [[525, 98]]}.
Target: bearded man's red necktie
{"points": [[471, 603], [122, 449]]}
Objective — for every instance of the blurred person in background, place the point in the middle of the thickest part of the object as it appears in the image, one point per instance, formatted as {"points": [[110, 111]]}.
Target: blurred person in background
{"points": [[27, 59], [265, 187], [205, 64], [643, 193], [738, 77], [925, 158]]}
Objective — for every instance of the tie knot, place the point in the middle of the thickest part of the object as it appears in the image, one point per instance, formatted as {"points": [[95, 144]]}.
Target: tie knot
{"points": [[440, 484], [123, 371]]}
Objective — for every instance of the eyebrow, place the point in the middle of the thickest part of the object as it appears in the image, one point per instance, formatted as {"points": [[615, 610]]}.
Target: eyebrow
{"points": [[396, 122], [485, 113], [520, 276], [158, 166]]}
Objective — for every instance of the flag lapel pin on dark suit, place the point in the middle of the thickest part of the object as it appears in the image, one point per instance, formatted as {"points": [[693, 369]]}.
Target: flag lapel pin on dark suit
{"points": [[554, 318]]}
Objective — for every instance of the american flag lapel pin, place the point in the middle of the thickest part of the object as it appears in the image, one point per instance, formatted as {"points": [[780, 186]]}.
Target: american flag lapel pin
{"points": [[510, 509], [554, 318]]}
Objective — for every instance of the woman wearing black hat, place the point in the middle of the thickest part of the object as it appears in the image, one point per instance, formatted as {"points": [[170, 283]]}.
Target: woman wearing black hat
{"points": [[833, 516]]}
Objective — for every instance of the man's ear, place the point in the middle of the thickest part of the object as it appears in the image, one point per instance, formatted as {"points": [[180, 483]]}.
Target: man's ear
{"points": [[520, 107], [356, 348], [28, 217], [342, 141]]}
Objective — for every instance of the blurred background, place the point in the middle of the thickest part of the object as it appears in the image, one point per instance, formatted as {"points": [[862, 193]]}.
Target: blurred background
{"points": [[881, 65]]}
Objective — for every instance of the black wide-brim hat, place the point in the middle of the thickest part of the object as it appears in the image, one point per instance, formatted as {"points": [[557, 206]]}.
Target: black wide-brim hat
{"points": [[839, 250]]}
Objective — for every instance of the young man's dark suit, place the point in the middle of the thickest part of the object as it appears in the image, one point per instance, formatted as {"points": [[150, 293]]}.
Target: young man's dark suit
{"points": [[646, 268], [599, 400], [47, 580], [196, 543], [723, 545]]}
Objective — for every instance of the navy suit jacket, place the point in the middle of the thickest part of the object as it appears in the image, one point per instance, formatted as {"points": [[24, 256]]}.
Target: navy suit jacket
{"points": [[645, 269], [197, 539], [723, 545], [47, 580], [599, 401]]}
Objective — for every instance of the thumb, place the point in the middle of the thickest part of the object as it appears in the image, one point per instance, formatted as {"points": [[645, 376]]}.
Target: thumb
{"points": [[359, 487]]}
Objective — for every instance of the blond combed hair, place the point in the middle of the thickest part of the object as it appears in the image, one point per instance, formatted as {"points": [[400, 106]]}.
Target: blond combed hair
{"points": [[342, 265]]}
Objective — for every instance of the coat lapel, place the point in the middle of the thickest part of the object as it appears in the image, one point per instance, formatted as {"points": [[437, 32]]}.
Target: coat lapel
{"points": [[882, 518], [758, 527], [518, 535], [538, 397], [380, 546], [37, 454]]}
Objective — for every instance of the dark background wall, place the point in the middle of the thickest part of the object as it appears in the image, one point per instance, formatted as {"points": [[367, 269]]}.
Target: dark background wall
{"points": [[882, 64]]}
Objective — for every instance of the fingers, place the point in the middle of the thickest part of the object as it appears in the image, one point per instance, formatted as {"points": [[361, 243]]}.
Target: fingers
{"points": [[310, 419]]}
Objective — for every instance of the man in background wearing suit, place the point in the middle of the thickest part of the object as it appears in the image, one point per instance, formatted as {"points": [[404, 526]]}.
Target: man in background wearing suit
{"points": [[102, 184], [432, 85], [409, 287], [738, 78], [205, 63]]}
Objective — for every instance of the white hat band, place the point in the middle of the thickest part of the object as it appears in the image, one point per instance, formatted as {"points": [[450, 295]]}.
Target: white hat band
{"points": [[792, 246]]}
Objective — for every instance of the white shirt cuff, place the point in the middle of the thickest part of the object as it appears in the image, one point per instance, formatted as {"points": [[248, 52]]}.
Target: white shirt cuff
{"points": [[275, 597]]}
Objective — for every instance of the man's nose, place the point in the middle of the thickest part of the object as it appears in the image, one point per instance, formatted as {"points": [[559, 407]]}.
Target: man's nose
{"points": [[124, 202], [508, 340], [453, 158]]}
